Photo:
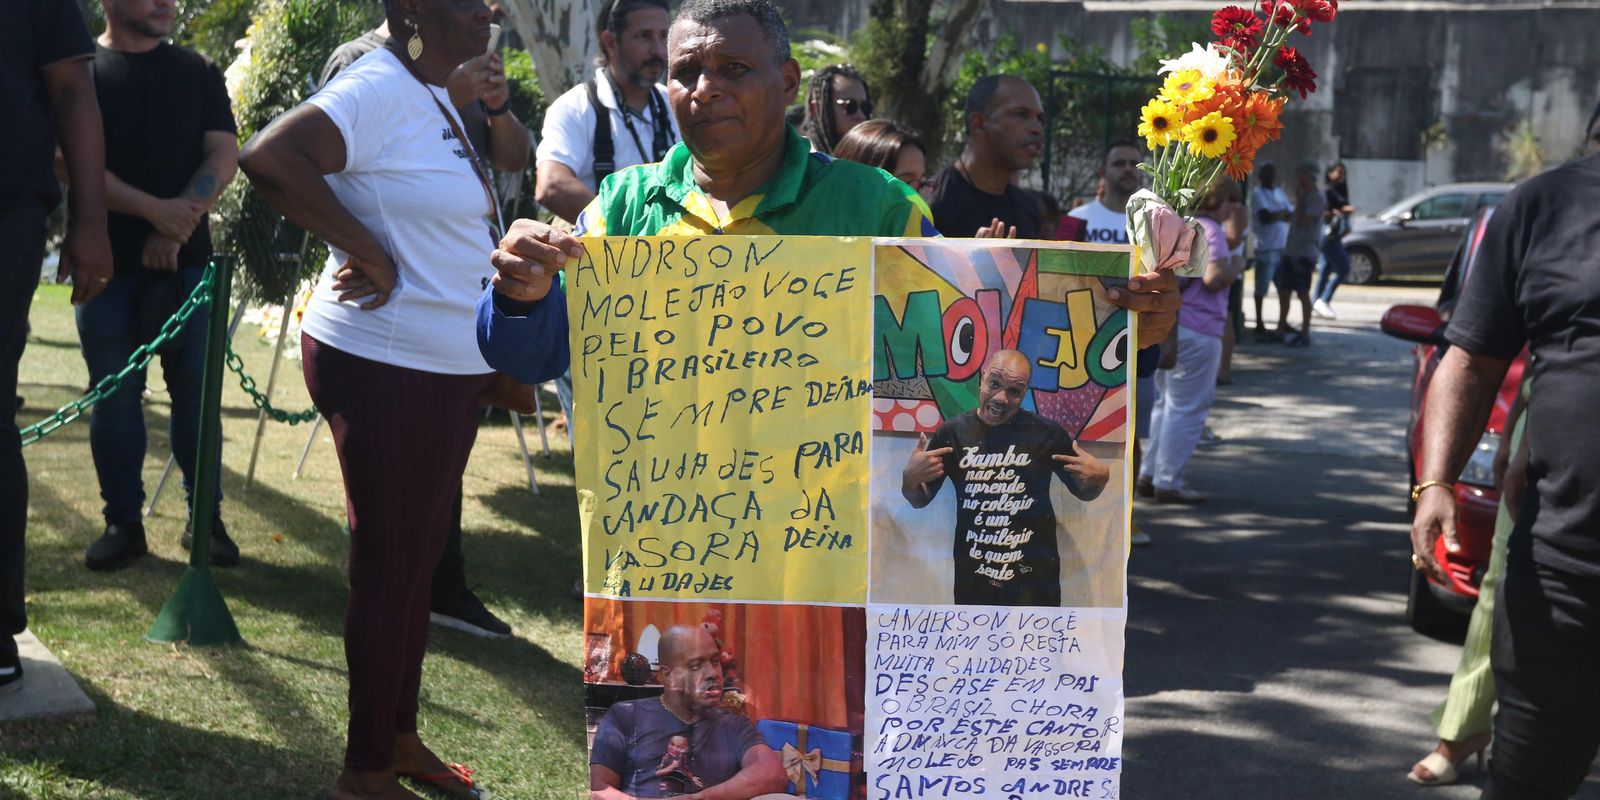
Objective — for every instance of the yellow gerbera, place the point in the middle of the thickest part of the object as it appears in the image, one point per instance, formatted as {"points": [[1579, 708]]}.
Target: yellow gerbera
{"points": [[1162, 122], [1187, 86], [1209, 135]]}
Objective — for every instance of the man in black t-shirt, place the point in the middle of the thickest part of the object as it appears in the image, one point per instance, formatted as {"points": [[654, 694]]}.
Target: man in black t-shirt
{"points": [[1001, 459], [171, 149], [1536, 283], [978, 194], [46, 95], [682, 742]]}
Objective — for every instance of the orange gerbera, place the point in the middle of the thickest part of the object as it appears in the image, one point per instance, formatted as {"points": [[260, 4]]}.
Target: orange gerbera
{"points": [[1257, 122], [1228, 98], [1239, 161]]}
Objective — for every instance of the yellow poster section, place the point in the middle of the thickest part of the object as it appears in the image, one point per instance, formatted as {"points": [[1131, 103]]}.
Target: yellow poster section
{"points": [[722, 395]]}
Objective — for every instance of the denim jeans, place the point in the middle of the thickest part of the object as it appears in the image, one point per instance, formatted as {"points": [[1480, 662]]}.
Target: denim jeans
{"points": [[109, 330], [1335, 269], [22, 230], [1266, 269]]}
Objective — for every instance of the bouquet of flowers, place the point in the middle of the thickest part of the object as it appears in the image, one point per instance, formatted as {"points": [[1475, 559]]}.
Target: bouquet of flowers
{"points": [[1218, 105]]}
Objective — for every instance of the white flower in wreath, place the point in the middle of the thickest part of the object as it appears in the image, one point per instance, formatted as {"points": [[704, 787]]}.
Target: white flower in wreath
{"points": [[1209, 61]]}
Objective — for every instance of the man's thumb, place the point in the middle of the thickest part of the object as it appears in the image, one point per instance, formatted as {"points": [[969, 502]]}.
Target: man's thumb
{"points": [[922, 441]]}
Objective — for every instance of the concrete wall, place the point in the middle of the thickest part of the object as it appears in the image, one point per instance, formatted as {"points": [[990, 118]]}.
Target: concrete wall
{"points": [[1389, 70]]}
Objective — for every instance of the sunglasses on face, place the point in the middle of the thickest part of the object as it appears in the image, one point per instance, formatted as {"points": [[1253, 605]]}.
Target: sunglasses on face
{"points": [[851, 106]]}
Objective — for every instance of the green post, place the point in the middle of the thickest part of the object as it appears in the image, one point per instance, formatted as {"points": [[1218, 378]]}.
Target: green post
{"points": [[196, 612]]}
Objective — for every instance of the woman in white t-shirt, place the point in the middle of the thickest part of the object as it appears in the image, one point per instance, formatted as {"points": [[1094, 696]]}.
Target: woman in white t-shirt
{"points": [[376, 164]]}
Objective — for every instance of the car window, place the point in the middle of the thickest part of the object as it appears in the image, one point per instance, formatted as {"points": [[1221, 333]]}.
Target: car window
{"points": [[1490, 199], [1445, 206]]}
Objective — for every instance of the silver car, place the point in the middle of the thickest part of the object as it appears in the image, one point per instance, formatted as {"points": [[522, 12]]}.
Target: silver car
{"points": [[1417, 235]]}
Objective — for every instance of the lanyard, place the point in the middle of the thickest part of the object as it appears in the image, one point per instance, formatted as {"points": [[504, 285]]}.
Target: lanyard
{"points": [[497, 226], [661, 140]]}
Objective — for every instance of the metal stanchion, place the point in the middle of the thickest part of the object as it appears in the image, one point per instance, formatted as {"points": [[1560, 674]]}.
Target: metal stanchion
{"points": [[272, 381], [196, 612]]}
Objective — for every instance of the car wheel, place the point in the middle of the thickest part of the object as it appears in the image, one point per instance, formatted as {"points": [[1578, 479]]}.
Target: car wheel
{"points": [[1363, 266], [1427, 616]]}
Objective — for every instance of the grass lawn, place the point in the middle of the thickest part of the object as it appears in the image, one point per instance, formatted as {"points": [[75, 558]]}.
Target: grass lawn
{"points": [[266, 720]]}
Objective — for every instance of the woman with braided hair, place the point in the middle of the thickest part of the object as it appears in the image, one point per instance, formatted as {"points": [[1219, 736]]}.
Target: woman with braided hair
{"points": [[837, 100]]}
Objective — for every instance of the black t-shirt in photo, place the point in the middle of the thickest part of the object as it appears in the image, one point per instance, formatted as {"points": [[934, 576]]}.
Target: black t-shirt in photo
{"points": [[960, 209], [36, 34], [157, 107], [1537, 283], [1005, 537]]}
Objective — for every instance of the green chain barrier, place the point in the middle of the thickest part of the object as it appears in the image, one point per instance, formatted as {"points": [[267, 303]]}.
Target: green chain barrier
{"points": [[140, 359], [248, 383]]}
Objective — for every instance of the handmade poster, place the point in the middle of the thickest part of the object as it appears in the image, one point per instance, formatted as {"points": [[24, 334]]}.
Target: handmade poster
{"points": [[744, 405], [722, 448], [1000, 452]]}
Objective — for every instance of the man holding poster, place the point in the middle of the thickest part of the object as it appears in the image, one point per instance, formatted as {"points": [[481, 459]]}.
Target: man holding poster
{"points": [[739, 169], [1001, 459]]}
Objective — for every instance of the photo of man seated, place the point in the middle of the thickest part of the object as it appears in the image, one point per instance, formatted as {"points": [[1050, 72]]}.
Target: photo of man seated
{"points": [[683, 743], [1001, 458]]}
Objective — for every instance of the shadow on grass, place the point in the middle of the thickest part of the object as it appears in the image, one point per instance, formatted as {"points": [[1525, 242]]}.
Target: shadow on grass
{"points": [[63, 344], [145, 756], [537, 549], [552, 687]]}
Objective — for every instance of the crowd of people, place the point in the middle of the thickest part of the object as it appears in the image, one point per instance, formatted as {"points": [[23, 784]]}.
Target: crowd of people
{"points": [[426, 292], [683, 128]]}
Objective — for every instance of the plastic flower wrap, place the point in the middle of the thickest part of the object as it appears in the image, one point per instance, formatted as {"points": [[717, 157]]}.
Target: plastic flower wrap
{"points": [[1164, 240], [1217, 106]]}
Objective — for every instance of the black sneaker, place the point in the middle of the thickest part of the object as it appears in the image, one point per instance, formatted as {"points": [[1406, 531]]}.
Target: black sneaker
{"points": [[10, 665], [224, 553], [463, 611], [117, 547]]}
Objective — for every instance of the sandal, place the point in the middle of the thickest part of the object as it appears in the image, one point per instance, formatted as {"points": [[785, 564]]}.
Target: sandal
{"points": [[1441, 770], [454, 780]]}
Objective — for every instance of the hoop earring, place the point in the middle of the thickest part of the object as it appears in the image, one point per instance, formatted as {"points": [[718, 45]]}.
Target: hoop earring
{"points": [[414, 44]]}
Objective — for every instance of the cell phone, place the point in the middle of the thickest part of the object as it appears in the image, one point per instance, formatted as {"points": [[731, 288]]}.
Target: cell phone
{"points": [[494, 36]]}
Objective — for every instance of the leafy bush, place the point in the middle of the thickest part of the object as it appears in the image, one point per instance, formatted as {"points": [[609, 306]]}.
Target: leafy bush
{"points": [[529, 104], [286, 45], [213, 28]]}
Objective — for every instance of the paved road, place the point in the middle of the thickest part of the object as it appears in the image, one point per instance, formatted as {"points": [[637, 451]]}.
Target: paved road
{"points": [[1268, 655]]}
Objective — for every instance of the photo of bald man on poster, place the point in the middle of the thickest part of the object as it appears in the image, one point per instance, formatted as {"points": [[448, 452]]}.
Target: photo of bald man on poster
{"points": [[1002, 460]]}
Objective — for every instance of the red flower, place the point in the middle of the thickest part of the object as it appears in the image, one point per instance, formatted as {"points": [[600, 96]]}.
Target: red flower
{"points": [[1297, 72], [1284, 14], [1233, 22], [1317, 10], [1242, 45]]}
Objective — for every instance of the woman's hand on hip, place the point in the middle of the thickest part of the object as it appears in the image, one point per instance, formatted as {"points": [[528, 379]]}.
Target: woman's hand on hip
{"points": [[360, 277], [528, 258]]}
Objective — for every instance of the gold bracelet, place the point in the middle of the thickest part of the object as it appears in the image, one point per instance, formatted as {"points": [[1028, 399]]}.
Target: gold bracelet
{"points": [[1416, 493]]}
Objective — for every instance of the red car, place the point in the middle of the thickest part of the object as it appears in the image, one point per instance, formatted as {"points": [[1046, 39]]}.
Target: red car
{"points": [[1432, 609]]}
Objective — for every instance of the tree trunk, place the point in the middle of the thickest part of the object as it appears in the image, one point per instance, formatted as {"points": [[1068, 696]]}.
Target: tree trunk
{"points": [[943, 64], [560, 36], [920, 77]]}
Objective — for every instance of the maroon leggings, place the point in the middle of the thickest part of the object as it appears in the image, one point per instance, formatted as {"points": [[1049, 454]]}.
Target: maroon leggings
{"points": [[403, 436]]}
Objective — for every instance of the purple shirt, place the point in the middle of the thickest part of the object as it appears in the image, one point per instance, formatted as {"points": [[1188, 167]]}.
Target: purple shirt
{"points": [[1205, 311]]}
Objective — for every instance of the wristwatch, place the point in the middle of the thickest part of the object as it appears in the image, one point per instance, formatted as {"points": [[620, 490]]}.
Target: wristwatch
{"points": [[1416, 491], [495, 112]]}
